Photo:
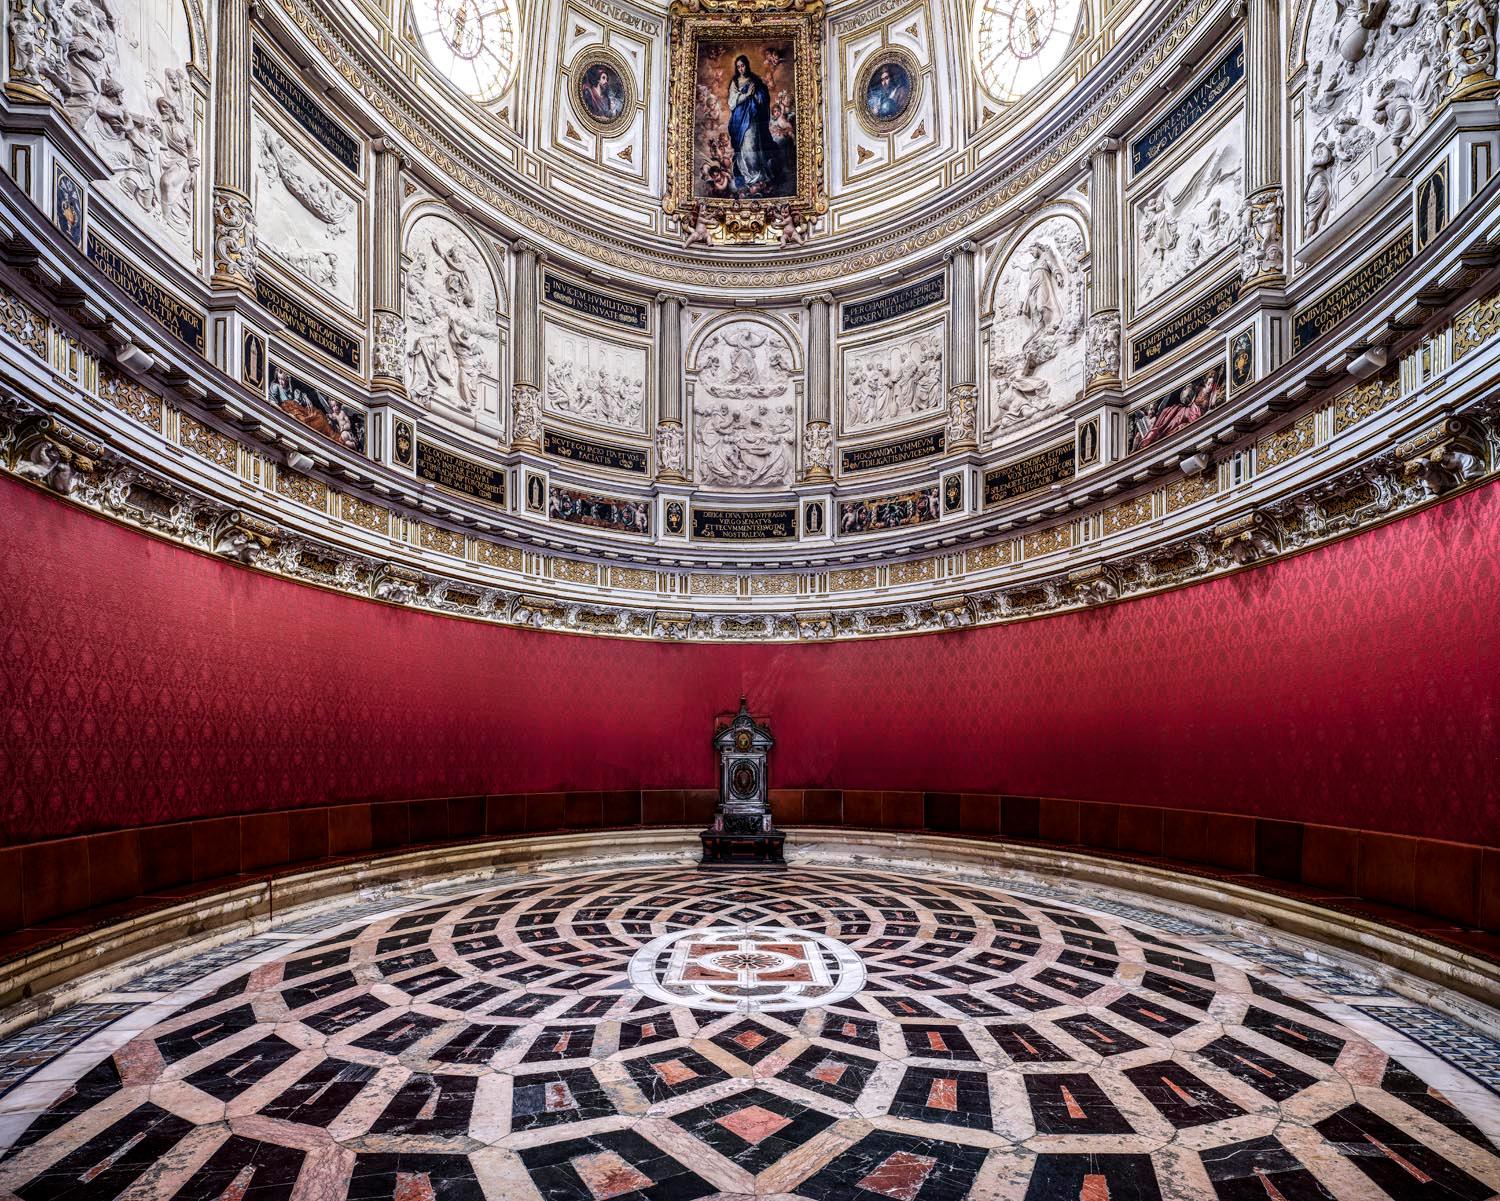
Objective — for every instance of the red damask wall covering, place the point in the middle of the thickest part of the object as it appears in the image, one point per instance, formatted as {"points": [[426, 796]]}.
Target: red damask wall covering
{"points": [[1355, 685]]}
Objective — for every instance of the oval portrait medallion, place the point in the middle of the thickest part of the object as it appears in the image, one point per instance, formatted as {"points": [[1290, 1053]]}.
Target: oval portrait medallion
{"points": [[603, 90], [887, 89]]}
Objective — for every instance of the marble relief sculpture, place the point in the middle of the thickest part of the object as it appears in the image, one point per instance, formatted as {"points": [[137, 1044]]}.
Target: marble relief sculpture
{"points": [[452, 337], [303, 219], [1035, 344], [1191, 215], [892, 381], [119, 75], [595, 380], [1377, 74], [744, 410]]}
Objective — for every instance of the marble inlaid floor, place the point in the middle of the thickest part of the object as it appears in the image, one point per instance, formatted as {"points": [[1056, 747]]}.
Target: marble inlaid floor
{"points": [[663, 1035]]}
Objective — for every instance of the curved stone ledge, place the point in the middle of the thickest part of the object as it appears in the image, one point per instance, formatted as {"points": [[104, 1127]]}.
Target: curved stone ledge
{"points": [[49, 979]]}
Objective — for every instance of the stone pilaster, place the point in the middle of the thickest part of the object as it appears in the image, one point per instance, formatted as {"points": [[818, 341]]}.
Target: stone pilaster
{"points": [[234, 246], [671, 435], [1102, 334], [963, 357], [387, 329], [817, 433], [1261, 238], [526, 356]]}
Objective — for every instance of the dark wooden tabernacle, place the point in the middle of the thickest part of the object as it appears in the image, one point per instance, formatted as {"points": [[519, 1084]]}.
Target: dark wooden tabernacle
{"points": [[743, 834]]}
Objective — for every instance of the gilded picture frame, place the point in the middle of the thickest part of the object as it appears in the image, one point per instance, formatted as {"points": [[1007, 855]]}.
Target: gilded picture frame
{"points": [[745, 119], [888, 105]]}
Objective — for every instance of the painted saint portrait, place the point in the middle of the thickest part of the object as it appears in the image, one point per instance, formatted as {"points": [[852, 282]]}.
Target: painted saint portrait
{"points": [[603, 90], [888, 94], [886, 90], [1177, 409], [745, 120], [602, 94], [318, 410]]}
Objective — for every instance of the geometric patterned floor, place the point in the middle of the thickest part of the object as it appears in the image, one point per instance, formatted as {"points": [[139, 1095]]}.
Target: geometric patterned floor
{"points": [[663, 1035]]}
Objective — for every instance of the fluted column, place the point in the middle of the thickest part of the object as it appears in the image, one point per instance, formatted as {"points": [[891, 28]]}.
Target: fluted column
{"points": [[817, 433], [963, 376], [386, 326], [1261, 240], [526, 355], [671, 436], [1102, 336], [234, 244]]}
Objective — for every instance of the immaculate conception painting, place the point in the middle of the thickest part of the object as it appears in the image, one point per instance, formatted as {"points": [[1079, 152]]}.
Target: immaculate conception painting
{"points": [[745, 134]]}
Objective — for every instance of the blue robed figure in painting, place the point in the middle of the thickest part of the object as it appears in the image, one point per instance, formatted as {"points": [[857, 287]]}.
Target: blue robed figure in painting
{"points": [[756, 158]]}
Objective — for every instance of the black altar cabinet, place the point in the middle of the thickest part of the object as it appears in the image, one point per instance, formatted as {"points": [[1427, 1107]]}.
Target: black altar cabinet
{"points": [[743, 834]]}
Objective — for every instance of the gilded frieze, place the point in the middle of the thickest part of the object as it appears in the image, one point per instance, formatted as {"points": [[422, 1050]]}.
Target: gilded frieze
{"points": [[1047, 542], [219, 449], [575, 571], [633, 578], [1127, 514], [774, 585], [1284, 445], [1476, 325], [496, 554], [986, 558], [303, 489], [713, 585], [23, 324], [1189, 491], [914, 571], [853, 579], [365, 515], [134, 400], [446, 542], [1362, 401]]}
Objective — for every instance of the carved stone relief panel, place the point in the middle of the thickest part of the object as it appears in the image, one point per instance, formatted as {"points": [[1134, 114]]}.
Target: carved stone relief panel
{"points": [[1190, 215], [893, 380], [1376, 73], [889, 90], [743, 382], [304, 219], [1034, 341], [119, 70], [594, 379], [452, 319], [604, 89]]}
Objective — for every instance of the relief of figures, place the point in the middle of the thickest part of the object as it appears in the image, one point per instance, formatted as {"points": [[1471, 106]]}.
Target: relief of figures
{"points": [[309, 224], [452, 352], [891, 382], [1377, 72], [1036, 343], [744, 410], [119, 73], [1191, 215], [592, 379]]}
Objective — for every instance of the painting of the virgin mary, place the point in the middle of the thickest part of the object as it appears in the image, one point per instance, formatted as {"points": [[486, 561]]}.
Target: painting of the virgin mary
{"points": [[744, 120], [755, 167]]}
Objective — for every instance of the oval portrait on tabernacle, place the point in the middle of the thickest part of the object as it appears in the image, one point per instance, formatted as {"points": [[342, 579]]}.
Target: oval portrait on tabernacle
{"points": [[603, 90], [886, 90]]}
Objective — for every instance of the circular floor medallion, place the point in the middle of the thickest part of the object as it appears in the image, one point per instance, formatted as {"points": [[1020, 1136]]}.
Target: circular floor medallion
{"points": [[747, 968]]}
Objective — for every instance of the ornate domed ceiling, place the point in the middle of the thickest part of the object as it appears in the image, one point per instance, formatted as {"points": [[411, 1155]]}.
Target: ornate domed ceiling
{"points": [[752, 318]]}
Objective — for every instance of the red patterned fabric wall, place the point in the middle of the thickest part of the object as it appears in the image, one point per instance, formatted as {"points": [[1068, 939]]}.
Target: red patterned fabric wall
{"points": [[1354, 685]]}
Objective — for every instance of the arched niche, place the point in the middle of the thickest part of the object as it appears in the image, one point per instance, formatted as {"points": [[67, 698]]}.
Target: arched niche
{"points": [[454, 307], [745, 373], [1033, 328]]}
